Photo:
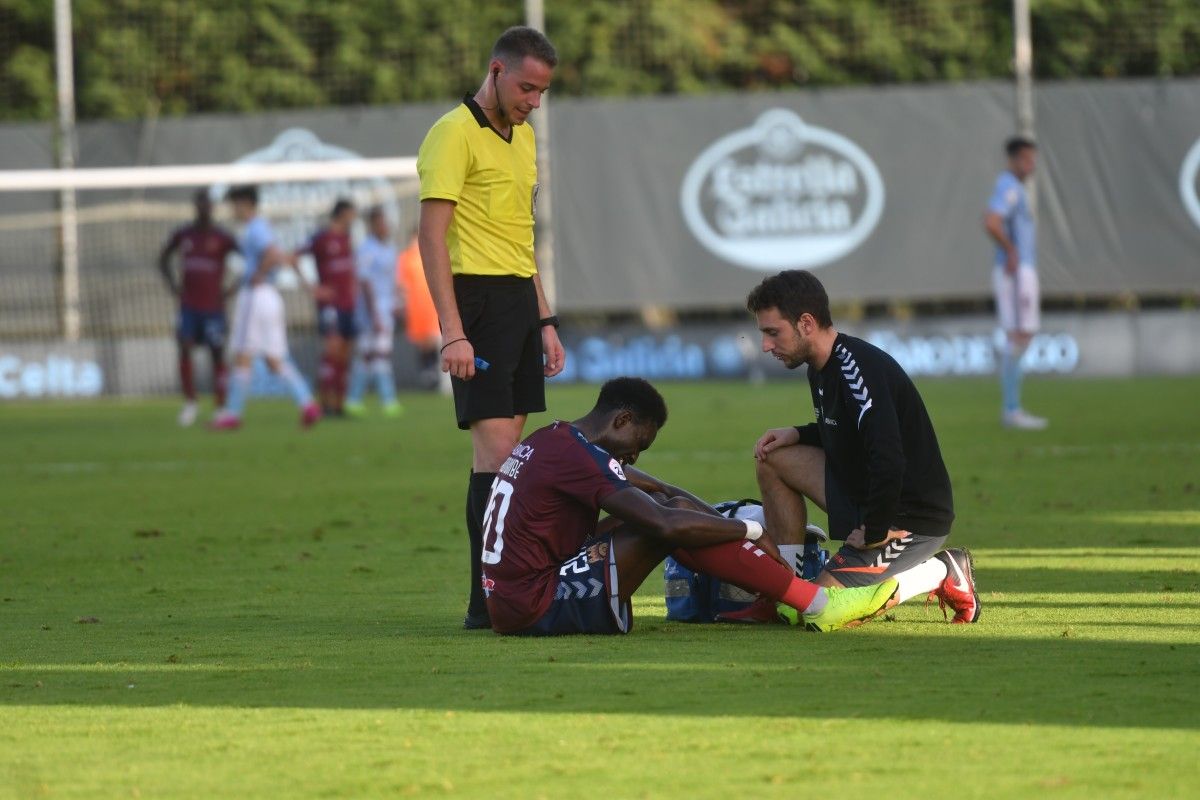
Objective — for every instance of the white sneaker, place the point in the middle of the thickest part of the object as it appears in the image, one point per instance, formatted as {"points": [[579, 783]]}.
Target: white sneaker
{"points": [[187, 415], [1023, 420]]}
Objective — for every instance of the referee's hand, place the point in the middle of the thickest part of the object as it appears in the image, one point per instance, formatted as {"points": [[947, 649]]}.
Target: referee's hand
{"points": [[458, 358], [556, 357]]}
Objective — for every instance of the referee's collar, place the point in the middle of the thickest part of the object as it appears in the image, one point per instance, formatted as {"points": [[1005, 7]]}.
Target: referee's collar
{"points": [[481, 118]]}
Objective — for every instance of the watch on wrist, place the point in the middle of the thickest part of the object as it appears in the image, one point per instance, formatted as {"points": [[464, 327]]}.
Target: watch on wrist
{"points": [[551, 321]]}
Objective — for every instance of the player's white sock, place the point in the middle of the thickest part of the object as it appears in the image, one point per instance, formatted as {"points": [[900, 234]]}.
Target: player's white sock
{"points": [[920, 580], [793, 554], [819, 601]]}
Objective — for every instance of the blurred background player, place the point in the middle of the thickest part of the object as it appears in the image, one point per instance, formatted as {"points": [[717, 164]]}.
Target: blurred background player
{"points": [[420, 317], [259, 325], [1009, 222], [203, 248], [337, 298], [376, 317]]}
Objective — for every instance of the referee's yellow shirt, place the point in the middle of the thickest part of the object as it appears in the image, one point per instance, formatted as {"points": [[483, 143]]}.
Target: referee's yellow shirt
{"points": [[493, 183]]}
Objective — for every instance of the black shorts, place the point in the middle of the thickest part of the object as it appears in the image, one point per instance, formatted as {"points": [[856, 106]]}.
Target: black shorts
{"points": [[853, 567], [201, 327], [331, 320], [500, 318]]}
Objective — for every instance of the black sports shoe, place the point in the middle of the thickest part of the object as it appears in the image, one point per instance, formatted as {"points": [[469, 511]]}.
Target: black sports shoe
{"points": [[477, 622], [958, 589]]}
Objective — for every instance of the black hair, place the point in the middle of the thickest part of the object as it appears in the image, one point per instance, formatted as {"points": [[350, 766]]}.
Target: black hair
{"points": [[794, 292], [247, 193], [374, 212], [1016, 144], [636, 396], [519, 41], [200, 196], [341, 206]]}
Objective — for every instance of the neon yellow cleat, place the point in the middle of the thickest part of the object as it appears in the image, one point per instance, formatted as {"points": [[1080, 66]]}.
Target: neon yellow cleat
{"points": [[354, 410], [849, 606], [393, 410]]}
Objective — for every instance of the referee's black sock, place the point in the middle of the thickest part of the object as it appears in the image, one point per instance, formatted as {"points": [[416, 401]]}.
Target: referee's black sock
{"points": [[477, 496]]}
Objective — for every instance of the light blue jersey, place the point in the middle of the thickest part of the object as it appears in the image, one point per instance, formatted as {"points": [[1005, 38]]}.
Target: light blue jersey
{"points": [[1010, 201], [377, 266], [256, 238]]}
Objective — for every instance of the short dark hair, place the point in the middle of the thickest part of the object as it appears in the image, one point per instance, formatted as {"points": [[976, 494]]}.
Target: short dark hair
{"points": [[341, 206], [636, 396], [520, 41], [246, 192], [1018, 143], [794, 292], [375, 212]]}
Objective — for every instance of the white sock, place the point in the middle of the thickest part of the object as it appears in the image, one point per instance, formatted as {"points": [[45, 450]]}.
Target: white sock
{"points": [[920, 580], [793, 554], [819, 601]]}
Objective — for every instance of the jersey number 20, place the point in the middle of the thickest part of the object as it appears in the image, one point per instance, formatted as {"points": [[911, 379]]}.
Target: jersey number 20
{"points": [[493, 520]]}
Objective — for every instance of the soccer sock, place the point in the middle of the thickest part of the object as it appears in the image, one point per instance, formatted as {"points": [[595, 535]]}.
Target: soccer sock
{"points": [[326, 374], [793, 554], [384, 382], [1010, 377], [478, 489], [185, 377], [220, 382], [358, 381], [745, 565], [920, 580], [239, 386], [296, 383]]}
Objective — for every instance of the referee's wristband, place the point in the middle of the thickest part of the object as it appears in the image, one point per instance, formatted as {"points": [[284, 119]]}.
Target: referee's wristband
{"points": [[551, 321], [754, 530]]}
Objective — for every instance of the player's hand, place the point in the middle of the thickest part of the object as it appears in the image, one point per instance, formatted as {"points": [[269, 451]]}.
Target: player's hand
{"points": [[378, 326], [768, 546], [775, 439], [1012, 260], [858, 539], [458, 358], [556, 357], [322, 294]]}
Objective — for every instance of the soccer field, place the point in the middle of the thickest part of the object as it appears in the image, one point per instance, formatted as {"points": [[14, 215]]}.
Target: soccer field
{"points": [[275, 613]]}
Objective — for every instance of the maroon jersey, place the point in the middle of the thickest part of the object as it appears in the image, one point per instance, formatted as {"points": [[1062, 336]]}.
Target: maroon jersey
{"points": [[202, 252], [335, 267], [544, 504]]}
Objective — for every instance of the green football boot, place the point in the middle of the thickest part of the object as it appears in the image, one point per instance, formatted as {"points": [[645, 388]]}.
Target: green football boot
{"points": [[393, 410], [354, 410], [851, 605]]}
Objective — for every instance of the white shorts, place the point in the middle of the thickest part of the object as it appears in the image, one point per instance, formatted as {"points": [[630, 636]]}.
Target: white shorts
{"points": [[259, 325], [1018, 299], [372, 341]]}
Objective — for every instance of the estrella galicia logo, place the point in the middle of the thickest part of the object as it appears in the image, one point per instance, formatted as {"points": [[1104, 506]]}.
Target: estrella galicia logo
{"points": [[782, 194], [1189, 182]]}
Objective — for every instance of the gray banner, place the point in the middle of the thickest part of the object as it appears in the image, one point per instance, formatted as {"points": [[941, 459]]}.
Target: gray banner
{"points": [[688, 202]]}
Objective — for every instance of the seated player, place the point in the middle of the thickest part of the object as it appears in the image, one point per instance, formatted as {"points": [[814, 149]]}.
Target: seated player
{"points": [[549, 568]]}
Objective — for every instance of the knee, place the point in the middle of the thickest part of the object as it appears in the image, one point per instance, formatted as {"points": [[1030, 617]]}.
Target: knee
{"points": [[767, 469]]}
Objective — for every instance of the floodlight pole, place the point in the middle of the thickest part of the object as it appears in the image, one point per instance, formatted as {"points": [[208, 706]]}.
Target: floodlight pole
{"points": [[535, 17], [1023, 71], [68, 214]]}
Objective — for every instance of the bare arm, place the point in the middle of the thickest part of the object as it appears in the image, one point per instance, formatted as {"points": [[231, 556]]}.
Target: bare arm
{"points": [[677, 527], [556, 357], [652, 485], [993, 223], [458, 356]]}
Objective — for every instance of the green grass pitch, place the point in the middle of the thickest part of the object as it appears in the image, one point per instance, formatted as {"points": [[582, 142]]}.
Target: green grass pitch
{"points": [[276, 613]]}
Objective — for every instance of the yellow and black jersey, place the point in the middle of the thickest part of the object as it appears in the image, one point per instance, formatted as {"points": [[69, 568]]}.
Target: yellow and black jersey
{"points": [[493, 182]]}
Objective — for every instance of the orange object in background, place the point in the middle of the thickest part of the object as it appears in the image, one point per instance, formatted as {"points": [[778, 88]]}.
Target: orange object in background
{"points": [[420, 315]]}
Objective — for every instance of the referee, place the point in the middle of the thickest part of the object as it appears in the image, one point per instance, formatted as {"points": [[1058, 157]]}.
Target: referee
{"points": [[478, 169]]}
